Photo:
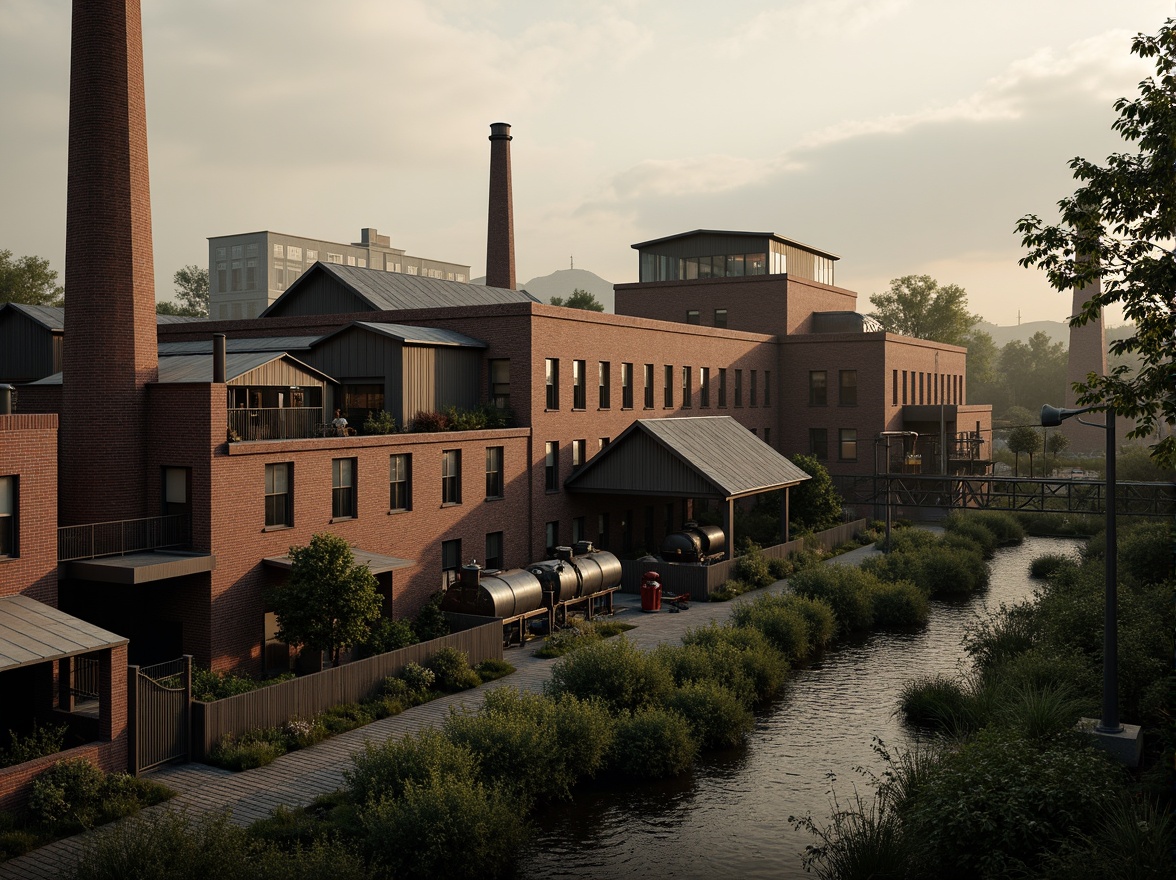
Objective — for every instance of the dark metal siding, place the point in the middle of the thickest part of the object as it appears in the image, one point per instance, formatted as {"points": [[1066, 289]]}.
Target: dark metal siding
{"points": [[28, 351], [358, 356], [648, 468], [457, 374], [706, 245], [319, 294]]}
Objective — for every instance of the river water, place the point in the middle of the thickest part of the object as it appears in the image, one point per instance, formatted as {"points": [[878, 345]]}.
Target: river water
{"points": [[729, 817]]}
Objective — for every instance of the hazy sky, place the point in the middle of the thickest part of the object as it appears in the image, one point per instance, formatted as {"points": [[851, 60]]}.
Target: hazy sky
{"points": [[905, 136]]}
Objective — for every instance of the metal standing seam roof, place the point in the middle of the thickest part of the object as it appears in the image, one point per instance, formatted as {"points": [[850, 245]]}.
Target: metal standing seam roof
{"points": [[718, 451], [198, 367], [49, 317], [417, 335], [395, 291], [234, 345], [33, 632]]}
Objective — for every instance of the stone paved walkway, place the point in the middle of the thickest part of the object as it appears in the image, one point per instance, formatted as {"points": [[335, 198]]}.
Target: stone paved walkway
{"points": [[297, 778]]}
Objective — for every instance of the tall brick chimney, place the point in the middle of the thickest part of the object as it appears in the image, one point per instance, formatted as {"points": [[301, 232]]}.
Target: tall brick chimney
{"points": [[1088, 354], [500, 256], [110, 350]]}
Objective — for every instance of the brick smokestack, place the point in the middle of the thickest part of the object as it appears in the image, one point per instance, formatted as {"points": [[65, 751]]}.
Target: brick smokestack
{"points": [[500, 256], [110, 351]]}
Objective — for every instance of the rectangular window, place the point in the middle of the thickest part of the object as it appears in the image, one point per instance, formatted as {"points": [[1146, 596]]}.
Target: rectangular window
{"points": [[847, 443], [721, 318], [9, 520], [627, 386], [604, 371], [894, 389], [500, 382], [669, 387], [704, 386], [739, 387], [768, 436], [451, 555], [602, 531], [904, 387], [579, 453], [279, 250], [493, 559], [579, 386], [311, 256], [279, 511], [251, 274], [921, 387], [847, 392], [754, 389], [400, 482], [235, 274], [767, 387], [222, 277], [692, 316], [578, 533], [551, 371], [819, 443], [687, 387], [342, 488], [649, 386], [551, 466], [494, 471], [451, 476], [818, 387], [552, 537], [176, 491], [602, 443], [723, 387]]}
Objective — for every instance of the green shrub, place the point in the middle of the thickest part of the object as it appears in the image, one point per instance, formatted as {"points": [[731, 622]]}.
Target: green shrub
{"points": [[1004, 527], [579, 633], [1145, 552], [780, 569], [431, 622], [45, 739], [753, 656], [252, 749], [209, 686], [418, 678], [717, 717], [1044, 566], [387, 635], [344, 717], [444, 827], [822, 622], [385, 770], [785, 627], [899, 605], [653, 743], [493, 669], [728, 590], [1038, 712], [974, 529], [939, 569], [1062, 525], [938, 703], [907, 539], [718, 663], [1010, 631], [68, 793], [1134, 838], [863, 840], [381, 422], [752, 567], [452, 671], [844, 588], [613, 671]]}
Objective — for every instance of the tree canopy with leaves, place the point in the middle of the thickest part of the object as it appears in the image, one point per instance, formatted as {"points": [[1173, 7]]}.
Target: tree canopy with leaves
{"points": [[329, 601], [1024, 439], [916, 305], [191, 293], [1115, 242], [29, 281], [814, 504], [579, 299]]}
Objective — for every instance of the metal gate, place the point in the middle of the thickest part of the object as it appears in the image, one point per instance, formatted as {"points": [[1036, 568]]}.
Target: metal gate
{"points": [[160, 713]]}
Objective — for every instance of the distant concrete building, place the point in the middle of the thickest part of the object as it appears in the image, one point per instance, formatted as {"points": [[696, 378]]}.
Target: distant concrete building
{"points": [[247, 272]]}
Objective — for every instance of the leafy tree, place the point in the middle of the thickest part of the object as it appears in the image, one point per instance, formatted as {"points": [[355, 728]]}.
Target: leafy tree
{"points": [[984, 382], [814, 504], [192, 292], [580, 299], [29, 281], [328, 602], [1024, 439], [1055, 446], [917, 306], [1035, 372], [1114, 241]]}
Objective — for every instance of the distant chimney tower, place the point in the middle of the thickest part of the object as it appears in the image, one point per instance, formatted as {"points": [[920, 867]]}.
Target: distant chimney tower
{"points": [[1088, 354], [500, 256], [111, 352]]}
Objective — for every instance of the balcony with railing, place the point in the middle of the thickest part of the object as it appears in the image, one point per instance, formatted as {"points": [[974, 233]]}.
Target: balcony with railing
{"points": [[276, 423], [121, 537]]}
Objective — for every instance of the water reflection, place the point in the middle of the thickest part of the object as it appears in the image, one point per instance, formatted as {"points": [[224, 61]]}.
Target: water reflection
{"points": [[730, 816]]}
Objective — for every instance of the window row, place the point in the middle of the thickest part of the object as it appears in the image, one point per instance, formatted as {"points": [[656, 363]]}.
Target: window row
{"points": [[279, 483], [693, 316], [709, 382], [579, 459], [926, 388], [847, 388], [847, 444], [656, 267]]}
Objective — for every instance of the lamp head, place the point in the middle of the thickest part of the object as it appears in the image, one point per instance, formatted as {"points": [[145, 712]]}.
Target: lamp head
{"points": [[1051, 416]]}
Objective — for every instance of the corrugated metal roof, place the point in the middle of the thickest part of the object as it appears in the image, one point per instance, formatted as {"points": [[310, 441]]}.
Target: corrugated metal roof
{"points": [[178, 319], [732, 232], [49, 317], [234, 344], [421, 335], [198, 367], [682, 456], [33, 632], [394, 291]]}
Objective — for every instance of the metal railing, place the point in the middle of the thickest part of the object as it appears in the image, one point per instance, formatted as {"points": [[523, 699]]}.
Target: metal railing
{"points": [[83, 677], [275, 423], [123, 536]]}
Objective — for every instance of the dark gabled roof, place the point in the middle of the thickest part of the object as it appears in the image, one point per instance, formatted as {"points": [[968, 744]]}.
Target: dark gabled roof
{"points": [[709, 456], [395, 291], [413, 335], [198, 367], [32, 632], [178, 319], [736, 233], [237, 344], [49, 317]]}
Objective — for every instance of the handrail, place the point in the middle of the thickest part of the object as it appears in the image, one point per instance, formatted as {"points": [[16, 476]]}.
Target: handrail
{"points": [[119, 537]]}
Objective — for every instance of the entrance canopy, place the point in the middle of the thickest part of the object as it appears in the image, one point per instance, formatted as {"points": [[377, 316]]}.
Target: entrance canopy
{"points": [[33, 632], [375, 562], [705, 457]]}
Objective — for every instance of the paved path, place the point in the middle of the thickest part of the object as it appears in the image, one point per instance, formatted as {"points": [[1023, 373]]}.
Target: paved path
{"points": [[297, 778]]}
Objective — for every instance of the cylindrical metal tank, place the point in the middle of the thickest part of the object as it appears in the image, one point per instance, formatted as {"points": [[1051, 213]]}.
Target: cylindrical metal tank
{"points": [[610, 571], [559, 578], [713, 539], [682, 547], [497, 595]]}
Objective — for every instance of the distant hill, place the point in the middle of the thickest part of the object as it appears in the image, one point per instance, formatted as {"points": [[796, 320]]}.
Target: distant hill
{"points": [[563, 281], [1057, 331]]}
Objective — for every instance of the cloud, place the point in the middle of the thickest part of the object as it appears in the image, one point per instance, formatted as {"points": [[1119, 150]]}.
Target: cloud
{"points": [[809, 20]]}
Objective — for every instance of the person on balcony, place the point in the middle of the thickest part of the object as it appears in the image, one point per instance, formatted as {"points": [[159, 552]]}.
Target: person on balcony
{"points": [[339, 424]]}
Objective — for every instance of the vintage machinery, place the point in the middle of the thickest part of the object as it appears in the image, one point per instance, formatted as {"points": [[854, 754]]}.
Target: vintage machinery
{"points": [[695, 544]]}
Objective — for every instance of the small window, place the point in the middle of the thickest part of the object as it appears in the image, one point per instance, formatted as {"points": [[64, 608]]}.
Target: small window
{"points": [[551, 466], [451, 476], [579, 453], [894, 388], [9, 519], [500, 383], [494, 471], [847, 395], [278, 508], [649, 386], [721, 318], [768, 436], [847, 441], [602, 531], [400, 481], [551, 371], [687, 387], [767, 387], [818, 387], [552, 535], [754, 389], [579, 386], [604, 370], [342, 488], [904, 387], [819, 443], [723, 387], [669, 386], [627, 386], [704, 386], [739, 387], [692, 316], [177, 491], [493, 558], [578, 533], [450, 557]]}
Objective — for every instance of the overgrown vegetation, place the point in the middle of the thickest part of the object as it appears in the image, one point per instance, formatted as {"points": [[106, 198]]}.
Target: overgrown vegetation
{"points": [[580, 632], [42, 740], [453, 419]]}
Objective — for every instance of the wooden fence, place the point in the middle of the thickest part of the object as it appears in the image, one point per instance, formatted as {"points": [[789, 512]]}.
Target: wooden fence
{"points": [[699, 581], [307, 696]]}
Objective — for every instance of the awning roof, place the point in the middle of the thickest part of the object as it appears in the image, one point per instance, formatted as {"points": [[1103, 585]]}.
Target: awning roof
{"points": [[710, 456], [139, 568], [377, 563], [33, 632]]}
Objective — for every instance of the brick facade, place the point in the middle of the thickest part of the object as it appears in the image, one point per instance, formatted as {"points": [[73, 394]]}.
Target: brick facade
{"points": [[28, 451]]}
